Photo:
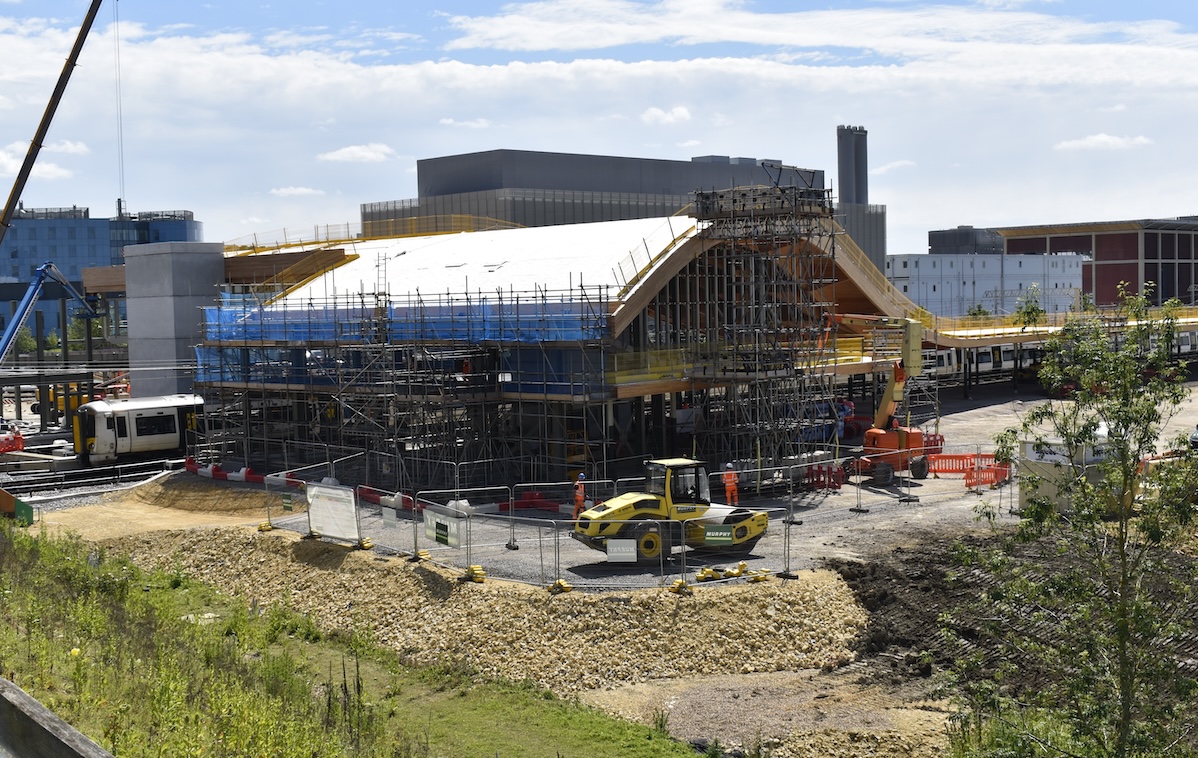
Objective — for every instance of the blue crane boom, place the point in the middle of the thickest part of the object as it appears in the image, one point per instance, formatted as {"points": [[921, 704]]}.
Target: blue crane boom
{"points": [[25, 307]]}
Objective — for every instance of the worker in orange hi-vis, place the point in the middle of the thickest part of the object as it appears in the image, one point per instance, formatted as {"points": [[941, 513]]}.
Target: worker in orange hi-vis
{"points": [[730, 479], [580, 495]]}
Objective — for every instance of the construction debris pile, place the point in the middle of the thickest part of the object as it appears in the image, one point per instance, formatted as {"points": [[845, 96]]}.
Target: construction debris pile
{"points": [[503, 630]]}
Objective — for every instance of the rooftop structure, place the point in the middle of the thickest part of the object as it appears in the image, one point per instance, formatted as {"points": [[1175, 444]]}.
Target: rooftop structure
{"points": [[528, 188]]}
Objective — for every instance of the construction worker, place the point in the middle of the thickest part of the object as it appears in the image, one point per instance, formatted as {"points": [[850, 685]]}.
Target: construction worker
{"points": [[580, 495], [730, 479]]}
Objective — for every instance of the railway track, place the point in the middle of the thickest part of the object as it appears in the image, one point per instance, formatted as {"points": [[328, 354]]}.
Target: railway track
{"points": [[31, 483]]}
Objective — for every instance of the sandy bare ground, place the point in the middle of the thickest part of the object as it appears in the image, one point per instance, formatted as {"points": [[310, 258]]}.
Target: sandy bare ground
{"points": [[174, 502]]}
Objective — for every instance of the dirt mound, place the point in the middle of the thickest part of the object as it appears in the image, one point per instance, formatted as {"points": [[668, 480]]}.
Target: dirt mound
{"points": [[184, 491]]}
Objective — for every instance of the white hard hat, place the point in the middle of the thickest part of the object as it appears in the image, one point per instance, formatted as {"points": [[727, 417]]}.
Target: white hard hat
{"points": [[728, 466], [582, 476]]}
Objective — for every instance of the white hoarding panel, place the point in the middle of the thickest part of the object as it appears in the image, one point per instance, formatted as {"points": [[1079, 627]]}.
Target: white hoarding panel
{"points": [[443, 525], [333, 512], [621, 551]]}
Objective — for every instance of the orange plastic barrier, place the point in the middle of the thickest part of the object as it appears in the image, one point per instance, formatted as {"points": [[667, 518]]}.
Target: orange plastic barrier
{"points": [[988, 475], [950, 463]]}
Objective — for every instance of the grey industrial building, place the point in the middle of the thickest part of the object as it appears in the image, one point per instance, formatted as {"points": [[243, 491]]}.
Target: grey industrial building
{"points": [[527, 188]]}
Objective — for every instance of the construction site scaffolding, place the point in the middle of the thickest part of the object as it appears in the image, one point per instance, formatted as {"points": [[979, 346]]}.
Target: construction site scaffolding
{"points": [[769, 273], [451, 390], [729, 361]]}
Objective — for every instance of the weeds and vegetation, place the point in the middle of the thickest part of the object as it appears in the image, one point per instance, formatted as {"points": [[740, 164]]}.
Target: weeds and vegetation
{"points": [[156, 664], [1088, 598]]}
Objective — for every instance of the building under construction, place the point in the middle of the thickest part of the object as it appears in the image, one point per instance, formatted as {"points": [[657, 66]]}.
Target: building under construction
{"points": [[529, 355]]}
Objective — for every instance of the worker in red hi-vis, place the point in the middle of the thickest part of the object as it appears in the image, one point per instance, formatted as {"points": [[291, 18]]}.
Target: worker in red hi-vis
{"points": [[580, 495], [730, 479]]}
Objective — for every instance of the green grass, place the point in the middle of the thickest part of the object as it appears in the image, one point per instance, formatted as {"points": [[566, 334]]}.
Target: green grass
{"points": [[158, 664]]}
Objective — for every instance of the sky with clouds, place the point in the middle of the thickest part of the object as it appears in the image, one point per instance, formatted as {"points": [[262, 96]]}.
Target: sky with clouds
{"points": [[261, 116]]}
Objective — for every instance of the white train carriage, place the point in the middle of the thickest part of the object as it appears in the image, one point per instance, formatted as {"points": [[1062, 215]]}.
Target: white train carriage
{"points": [[108, 430]]}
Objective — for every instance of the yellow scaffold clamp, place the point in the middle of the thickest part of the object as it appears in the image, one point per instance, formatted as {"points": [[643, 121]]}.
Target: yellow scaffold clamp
{"points": [[560, 586], [421, 555], [475, 574], [758, 575], [365, 544], [265, 526], [707, 574], [680, 587]]}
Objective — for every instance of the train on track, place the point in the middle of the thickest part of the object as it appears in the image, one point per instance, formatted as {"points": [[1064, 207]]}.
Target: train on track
{"points": [[106, 430]]}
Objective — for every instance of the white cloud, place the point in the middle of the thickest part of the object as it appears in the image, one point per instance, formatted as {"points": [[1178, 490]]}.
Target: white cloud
{"points": [[68, 147], [1103, 142], [295, 192], [938, 87], [478, 123], [13, 155], [898, 31], [297, 40], [676, 115], [375, 152], [893, 165]]}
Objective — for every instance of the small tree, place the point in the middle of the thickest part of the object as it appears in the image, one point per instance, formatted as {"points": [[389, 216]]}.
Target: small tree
{"points": [[1029, 312], [1096, 612], [25, 341], [77, 327], [977, 309]]}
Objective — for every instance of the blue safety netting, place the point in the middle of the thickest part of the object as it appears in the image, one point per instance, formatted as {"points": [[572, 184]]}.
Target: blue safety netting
{"points": [[470, 322]]}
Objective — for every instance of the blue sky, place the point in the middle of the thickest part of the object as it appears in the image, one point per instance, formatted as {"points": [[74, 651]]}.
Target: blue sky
{"points": [[259, 116]]}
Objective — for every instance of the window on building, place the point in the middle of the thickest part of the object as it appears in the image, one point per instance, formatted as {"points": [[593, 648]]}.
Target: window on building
{"points": [[904, 288], [904, 264], [933, 288], [51, 233]]}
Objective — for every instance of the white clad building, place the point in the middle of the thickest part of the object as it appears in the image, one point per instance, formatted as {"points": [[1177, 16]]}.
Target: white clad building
{"points": [[950, 284]]}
